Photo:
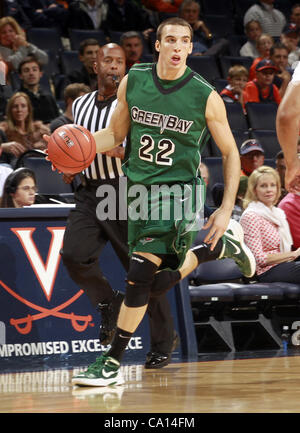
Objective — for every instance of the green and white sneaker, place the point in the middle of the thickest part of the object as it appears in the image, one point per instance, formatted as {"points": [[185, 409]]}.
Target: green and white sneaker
{"points": [[104, 371], [235, 248]]}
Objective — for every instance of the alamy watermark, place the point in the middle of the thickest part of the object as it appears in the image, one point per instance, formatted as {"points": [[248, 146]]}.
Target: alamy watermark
{"points": [[178, 202]]}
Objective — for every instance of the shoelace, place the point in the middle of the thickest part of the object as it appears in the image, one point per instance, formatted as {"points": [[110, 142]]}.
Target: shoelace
{"points": [[95, 366]]}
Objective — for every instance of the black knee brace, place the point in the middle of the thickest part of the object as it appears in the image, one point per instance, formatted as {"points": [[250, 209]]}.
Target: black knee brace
{"points": [[139, 281]]}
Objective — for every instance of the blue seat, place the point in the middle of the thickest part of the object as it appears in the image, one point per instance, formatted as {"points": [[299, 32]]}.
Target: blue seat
{"points": [[235, 44], [50, 183], [220, 84], [46, 38], [70, 61], [206, 66], [268, 140], [217, 7], [227, 61], [215, 167], [221, 26], [291, 291], [236, 117], [211, 293], [261, 115], [78, 35], [256, 292]]}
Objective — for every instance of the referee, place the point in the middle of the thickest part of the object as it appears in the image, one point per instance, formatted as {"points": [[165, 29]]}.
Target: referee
{"points": [[86, 235]]}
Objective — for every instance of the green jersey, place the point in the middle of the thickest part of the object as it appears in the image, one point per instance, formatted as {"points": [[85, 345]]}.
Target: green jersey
{"points": [[168, 127]]}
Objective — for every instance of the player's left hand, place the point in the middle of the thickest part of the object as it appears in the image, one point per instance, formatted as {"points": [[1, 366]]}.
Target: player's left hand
{"points": [[218, 223]]}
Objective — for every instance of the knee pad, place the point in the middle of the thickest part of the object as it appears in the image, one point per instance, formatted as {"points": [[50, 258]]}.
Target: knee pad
{"points": [[139, 281]]}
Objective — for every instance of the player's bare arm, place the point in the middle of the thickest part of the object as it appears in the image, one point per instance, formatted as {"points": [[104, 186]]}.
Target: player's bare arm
{"points": [[216, 119], [118, 128], [287, 127]]}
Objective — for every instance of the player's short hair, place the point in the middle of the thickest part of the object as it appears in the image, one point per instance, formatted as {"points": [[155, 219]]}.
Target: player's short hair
{"points": [[174, 21]]}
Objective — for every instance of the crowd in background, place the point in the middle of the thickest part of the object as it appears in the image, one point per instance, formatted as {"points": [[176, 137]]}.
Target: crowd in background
{"points": [[38, 90]]}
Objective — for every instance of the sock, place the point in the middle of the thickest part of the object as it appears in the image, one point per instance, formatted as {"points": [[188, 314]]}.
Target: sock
{"points": [[119, 344], [204, 254]]}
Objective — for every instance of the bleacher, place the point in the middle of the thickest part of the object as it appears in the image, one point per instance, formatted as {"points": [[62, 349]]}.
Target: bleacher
{"points": [[229, 313]]}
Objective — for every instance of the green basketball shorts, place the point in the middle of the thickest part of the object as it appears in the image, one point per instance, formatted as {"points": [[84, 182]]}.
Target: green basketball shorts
{"points": [[165, 219]]}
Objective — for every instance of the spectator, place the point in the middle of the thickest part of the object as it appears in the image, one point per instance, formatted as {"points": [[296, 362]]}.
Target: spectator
{"points": [[46, 13], [295, 14], [267, 231], [252, 156], [125, 15], [237, 80], [71, 92], [88, 49], [132, 44], [271, 20], [203, 39], [22, 132], [264, 44], [87, 14], [19, 189], [262, 89], [279, 57], [14, 47], [44, 104], [253, 31], [168, 6], [12, 8], [290, 37]]}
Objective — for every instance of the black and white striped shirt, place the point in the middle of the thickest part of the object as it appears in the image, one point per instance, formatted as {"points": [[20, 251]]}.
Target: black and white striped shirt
{"points": [[95, 115]]}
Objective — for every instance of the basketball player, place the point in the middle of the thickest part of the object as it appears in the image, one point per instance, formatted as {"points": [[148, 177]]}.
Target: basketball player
{"points": [[168, 109], [287, 127], [86, 235]]}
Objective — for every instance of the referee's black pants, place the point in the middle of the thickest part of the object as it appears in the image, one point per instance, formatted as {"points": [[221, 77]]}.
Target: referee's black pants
{"points": [[84, 239]]}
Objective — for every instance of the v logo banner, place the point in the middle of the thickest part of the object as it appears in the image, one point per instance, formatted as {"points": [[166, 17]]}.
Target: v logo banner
{"points": [[45, 272]]}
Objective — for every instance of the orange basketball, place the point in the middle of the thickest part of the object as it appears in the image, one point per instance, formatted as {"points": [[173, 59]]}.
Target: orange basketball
{"points": [[71, 148]]}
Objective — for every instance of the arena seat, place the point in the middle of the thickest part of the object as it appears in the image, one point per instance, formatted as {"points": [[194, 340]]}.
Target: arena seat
{"points": [[233, 316], [206, 66], [235, 44], [46, 38], [50, 183], [70, 61], [221, 26], [217, 7], [78, 35], [236, 117], [268, 140], [227, 61], [261, 115]]}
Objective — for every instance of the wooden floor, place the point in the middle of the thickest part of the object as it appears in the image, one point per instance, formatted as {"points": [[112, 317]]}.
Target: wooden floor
{"points": [[249, 385]]}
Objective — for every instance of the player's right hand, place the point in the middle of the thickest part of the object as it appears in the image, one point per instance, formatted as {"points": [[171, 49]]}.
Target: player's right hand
{"points": [[292, 177], [47, 138]]}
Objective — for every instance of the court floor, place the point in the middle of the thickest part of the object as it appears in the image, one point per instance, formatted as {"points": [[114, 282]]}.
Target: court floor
{"points": [[257, 385]]}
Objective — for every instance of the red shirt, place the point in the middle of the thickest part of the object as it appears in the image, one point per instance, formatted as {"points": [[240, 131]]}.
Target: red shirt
{"points": [[251, 93], [291, 206]]}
